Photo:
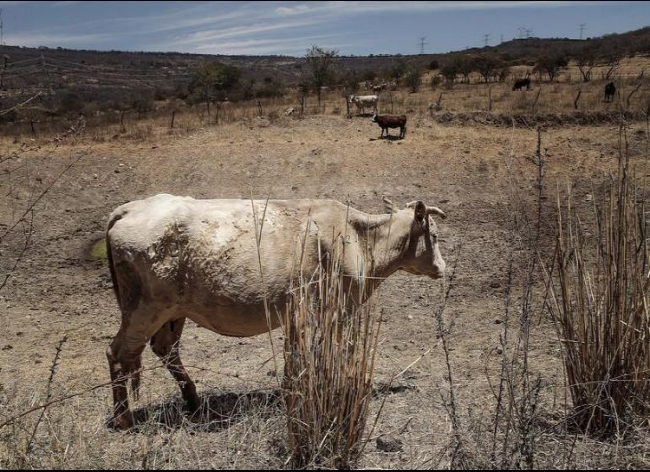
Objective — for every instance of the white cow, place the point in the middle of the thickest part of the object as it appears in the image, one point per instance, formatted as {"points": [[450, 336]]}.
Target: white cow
{"points": [[173, 258], [364, 101]]}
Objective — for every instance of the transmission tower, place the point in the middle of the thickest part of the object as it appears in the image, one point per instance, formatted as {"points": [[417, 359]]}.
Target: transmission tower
{"points": [[521, 30], [582, 29], [422, 43], [1, 30], [486, 39]]}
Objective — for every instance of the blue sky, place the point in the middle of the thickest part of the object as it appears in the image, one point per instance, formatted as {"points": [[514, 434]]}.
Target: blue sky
{"points": [[290, 28]]}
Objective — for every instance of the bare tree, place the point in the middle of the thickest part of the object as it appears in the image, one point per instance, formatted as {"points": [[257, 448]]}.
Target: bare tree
{"points": [[322, 63], [613, 61], [586, 60]]}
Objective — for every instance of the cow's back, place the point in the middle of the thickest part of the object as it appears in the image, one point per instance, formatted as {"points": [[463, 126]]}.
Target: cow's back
{"points": [[202, 252]]}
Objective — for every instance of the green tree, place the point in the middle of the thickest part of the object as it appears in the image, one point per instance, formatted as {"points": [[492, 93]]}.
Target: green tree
{"points": [[551, 64], [487, 65], [413, 79], [464, 66], [214, 80], [449, 71], [398, 70]]}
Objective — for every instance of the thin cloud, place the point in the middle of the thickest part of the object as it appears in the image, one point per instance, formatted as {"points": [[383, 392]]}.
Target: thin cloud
{"points": [[250, 26], [264, 46], [208, 35], [47, 39]]}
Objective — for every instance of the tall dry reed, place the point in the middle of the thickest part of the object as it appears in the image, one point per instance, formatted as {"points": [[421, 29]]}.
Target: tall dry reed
{"points": [[330, 348], [599, 299]]}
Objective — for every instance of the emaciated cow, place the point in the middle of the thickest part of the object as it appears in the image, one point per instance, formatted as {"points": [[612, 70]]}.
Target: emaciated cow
{"points": [[391, 121], [173, 258]]}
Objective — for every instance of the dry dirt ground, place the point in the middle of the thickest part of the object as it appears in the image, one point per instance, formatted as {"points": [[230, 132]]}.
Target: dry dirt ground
{"points": [[478, 175]]}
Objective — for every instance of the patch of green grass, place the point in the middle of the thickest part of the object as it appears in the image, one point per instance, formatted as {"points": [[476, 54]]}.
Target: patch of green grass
{"points": [[98, 251]]}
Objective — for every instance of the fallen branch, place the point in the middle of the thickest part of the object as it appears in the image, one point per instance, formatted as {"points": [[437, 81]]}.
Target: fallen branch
{"points": [[4, 112]]}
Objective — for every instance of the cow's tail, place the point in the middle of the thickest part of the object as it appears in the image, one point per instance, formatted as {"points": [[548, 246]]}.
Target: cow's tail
{"points": [[132, 368], [109, 254]]}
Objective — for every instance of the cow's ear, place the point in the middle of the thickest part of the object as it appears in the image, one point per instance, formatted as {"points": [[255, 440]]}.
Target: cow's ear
{"points": [[419, 209]]}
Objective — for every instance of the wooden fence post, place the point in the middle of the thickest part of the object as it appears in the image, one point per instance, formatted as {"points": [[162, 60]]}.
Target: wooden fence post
{"points": [[536, 98], [575, 102]]}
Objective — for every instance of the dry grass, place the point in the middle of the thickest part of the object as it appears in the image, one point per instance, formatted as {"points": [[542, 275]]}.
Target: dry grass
{"points": [[567, 95], [324, 157], [599, 286], [330, 348]]}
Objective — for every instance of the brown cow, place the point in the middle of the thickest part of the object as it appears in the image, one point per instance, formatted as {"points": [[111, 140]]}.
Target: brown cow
{"points": [[391, 121]]}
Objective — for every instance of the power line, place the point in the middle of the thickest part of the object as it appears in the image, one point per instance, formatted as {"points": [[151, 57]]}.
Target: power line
{"points": [[422, 42], [582, 28]]}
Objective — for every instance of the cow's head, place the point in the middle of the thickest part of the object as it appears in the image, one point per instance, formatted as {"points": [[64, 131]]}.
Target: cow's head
{"points": [[423, 254]]}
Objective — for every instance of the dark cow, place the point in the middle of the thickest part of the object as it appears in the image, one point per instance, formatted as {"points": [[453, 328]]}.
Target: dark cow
{"points": [[391, 121], [521, 83], [610, 91]]}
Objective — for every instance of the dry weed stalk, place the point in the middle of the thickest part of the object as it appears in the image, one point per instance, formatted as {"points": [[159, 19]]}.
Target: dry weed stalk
{"points": [[48, 397], [599, 303], [330, 347]]}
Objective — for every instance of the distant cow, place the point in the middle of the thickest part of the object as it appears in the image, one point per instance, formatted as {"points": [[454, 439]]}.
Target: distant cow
{"points": [[364, 101], [521, 83], [391, 121], [610, 91]]}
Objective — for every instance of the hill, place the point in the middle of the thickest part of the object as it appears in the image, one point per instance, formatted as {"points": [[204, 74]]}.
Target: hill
{"points": [[69, 80]]}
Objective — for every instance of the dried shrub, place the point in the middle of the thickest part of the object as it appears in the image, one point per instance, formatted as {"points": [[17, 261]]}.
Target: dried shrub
{"points": [[330, 346], [599, 284]]}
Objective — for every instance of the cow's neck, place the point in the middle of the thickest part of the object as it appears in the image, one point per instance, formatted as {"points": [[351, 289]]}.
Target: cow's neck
{"points": [[382, 241]]}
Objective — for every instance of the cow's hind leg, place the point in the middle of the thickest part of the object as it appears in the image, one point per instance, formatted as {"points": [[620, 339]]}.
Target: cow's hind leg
{"points": [[165, 344], [124, 356]]}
